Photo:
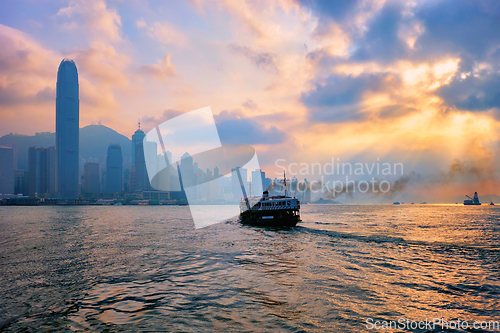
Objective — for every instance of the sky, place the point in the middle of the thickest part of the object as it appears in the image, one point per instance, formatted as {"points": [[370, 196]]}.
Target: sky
{"points": [[412, 82]]}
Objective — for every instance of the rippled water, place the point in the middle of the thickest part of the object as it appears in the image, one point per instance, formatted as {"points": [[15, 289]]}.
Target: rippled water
{"points": [[140, 268]]}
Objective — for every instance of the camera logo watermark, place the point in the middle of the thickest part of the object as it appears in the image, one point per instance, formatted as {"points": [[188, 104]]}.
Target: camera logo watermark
{"points": [[194, 136]]}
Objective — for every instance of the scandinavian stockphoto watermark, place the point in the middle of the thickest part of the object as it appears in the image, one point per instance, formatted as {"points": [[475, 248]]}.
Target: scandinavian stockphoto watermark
{"points": [[432, 324], [336, 177], [192, 138]]}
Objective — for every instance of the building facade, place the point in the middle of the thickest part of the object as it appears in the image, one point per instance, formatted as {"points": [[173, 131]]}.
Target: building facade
{"points": [[42, 172]]}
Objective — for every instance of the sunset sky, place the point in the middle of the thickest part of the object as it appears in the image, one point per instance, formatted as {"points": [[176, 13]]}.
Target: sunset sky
{"points": [[416, 82]]}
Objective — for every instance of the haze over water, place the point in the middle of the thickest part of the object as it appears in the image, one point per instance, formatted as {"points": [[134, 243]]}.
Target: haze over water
{"points": [[146, 268]]}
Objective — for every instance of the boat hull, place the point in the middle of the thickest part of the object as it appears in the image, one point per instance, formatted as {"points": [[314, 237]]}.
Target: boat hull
{"points": [[283, 218]]}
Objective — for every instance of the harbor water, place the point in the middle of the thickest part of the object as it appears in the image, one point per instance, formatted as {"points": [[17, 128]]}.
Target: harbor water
{"points": [[146, 268]]}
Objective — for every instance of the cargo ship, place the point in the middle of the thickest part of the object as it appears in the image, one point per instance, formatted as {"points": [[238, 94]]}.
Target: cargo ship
{"points": [[472, 201], [269, 211]]}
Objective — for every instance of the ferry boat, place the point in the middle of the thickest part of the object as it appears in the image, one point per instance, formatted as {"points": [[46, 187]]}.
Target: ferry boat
{"points": [[270, 211]]}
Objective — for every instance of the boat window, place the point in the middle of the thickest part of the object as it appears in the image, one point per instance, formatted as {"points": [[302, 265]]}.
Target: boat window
{"points": [[288, 203]]}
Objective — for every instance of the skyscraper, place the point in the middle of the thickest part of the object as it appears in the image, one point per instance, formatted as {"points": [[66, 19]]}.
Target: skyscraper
{"points": [[114, 169], [67, 128], [139, 171], [138, 137], [6, 170]]}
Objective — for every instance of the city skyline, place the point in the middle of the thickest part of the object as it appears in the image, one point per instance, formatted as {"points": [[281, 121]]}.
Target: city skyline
{"points": [[295, 79]]}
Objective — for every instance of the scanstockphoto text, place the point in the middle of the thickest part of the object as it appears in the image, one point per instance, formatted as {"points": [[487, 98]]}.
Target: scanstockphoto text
{"points": [[432, 324], [337, 177]]}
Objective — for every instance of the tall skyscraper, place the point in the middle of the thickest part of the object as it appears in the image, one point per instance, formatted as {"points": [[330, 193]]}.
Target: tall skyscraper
{"points": [[6, 170], [140, 173], [138, 137], [67, 128], [91, 178], [114, 169]]}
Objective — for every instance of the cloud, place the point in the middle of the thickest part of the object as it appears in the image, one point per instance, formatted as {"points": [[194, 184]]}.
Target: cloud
{"points": [[475, 85], [264, 60], [331, 9], [26, 76], [233, 127], [253, 16], [457, 27], [381, 41], [102, 62], [163, 69], [249, 104], [338, 98], [163, 32], [472, 93], [236, 129], [93, 16], [166, 115]]}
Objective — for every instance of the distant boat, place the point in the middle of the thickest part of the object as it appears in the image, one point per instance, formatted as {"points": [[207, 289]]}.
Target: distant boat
{"points": [[397, 203], [423, 203], [492, 204], [472, 201]]}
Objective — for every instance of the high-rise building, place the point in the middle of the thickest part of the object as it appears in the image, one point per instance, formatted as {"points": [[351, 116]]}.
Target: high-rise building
{"points": [[141, 181], [138, 179], [137, 138], [258, 177], [187, 170], [114, 169], [6, 170], [42, 171], [91, 178], [67, 128]]}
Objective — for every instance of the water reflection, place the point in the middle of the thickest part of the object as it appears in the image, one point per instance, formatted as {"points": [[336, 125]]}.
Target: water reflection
{"points": [[146, 268]]}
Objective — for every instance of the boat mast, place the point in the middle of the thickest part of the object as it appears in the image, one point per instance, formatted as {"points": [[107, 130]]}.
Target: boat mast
{"points": [[284, 180], [242, 187]]}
